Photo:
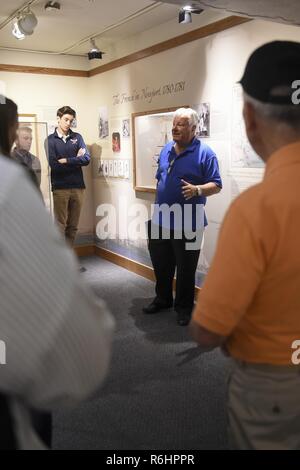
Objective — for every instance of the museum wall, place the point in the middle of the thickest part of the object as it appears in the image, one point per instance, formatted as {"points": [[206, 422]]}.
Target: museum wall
{"points": [[207, 71], [43, 95]]}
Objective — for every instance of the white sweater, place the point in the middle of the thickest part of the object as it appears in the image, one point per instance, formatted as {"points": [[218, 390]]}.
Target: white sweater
{"points": [[57, 334]]}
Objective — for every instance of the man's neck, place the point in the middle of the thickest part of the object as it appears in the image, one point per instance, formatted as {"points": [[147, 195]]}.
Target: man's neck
{"points": [[61, 132], [276, 143], [179, 148], [20, 150]]}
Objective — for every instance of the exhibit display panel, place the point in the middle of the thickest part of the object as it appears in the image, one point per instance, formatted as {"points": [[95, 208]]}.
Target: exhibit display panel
{"points": [[152, 130]]}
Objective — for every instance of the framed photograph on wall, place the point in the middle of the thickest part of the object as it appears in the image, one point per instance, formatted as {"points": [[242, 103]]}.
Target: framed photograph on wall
{"points": [[116, 142], [103, 125], [203, 129], [125, 128], [151, 131]]}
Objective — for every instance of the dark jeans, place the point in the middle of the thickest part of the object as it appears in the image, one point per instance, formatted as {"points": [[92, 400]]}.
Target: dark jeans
{"points": [[168, 255]]}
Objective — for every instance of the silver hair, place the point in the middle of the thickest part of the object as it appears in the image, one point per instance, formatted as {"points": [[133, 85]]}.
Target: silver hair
{"points": [[189, 113], [24, 128], [288, 115]]}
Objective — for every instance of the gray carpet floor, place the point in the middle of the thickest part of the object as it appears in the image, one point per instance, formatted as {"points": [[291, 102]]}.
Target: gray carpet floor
{"points": [[161, 392]]}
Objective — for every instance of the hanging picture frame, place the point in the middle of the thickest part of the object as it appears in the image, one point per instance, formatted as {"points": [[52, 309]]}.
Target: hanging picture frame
{"points": [[151, 130]]}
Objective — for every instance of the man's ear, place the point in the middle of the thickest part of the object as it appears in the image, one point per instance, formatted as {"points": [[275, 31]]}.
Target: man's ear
{"points": [[250, 118]]}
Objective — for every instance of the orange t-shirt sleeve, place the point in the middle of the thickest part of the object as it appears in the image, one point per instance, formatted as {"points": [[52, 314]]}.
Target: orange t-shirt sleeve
{"points": [[234, 275]]}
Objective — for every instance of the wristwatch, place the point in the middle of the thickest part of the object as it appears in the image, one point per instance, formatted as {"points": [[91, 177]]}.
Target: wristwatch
{"points": [[199, 190]]}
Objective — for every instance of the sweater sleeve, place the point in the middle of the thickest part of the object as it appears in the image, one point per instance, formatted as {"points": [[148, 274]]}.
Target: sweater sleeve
{"points": [[80, 161], [53, 157]]}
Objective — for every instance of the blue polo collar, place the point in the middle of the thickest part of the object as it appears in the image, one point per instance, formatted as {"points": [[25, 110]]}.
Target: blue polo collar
{"points": [[190, 148]]}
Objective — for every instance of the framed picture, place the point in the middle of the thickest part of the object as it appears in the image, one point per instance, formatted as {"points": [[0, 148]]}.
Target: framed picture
{"points": [[151, 131], [116, 142], [126, 128], [103, 125], [203, 129]]}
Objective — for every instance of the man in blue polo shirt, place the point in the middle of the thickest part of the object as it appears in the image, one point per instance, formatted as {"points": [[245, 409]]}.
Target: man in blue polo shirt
{"points": [[67, 154], [188, 173]]}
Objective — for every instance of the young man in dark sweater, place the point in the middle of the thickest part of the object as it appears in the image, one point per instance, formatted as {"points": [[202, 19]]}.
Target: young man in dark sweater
{"points": [[67, 154]]}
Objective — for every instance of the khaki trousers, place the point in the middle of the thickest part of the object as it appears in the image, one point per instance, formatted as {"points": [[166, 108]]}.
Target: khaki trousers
{"points": [[264, 407], [67, 208]]}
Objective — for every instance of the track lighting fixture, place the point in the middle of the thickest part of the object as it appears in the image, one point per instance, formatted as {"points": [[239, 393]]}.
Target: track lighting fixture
{"points": [[52, 6], [24, 25], [94, 53], [185, 13]]}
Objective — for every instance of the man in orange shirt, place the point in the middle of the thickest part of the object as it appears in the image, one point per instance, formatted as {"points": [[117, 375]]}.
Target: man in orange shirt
{"points": [[250, 302]]}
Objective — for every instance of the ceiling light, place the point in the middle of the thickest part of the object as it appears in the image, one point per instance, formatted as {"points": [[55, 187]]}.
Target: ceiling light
{"points": [[16, 31], [184, 16], [50, 6], [185, 13], [24, 25], [94, 53]]}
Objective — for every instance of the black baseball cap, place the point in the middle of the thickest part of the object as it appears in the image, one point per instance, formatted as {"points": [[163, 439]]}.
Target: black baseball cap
{"points": [[270, 72]]}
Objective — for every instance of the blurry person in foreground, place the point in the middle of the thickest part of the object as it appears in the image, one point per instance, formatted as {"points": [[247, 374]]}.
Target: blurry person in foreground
{"points": [[56, 334]]}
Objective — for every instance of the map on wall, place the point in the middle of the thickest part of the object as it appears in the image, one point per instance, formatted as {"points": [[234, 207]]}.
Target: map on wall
{"points": [[242, 154]]}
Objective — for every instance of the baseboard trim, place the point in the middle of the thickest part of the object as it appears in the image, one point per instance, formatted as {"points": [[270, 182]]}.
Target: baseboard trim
{"points": [[85, 250], [122, 261], [127, 263]]}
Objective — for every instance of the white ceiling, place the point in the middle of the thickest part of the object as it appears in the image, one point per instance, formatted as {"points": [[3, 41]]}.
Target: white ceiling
{"points": [[282, 11], [69, 29], [77, 20]]}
